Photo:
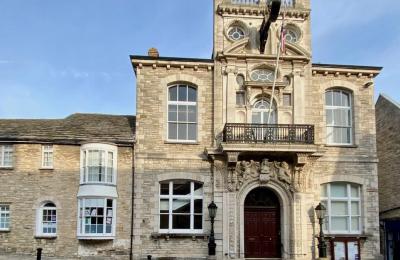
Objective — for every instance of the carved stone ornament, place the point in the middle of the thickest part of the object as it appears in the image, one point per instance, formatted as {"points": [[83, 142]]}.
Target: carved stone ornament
{"points": [[264, 172]]}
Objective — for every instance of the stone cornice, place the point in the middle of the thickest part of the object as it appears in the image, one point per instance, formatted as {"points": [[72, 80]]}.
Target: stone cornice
{"points": [[345, 70], [255, 10], [168, 64]]}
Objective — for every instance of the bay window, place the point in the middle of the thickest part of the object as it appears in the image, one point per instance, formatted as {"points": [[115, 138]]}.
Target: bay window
{"points": [[98, 163], [343, 203], [96, 217], [181, 207]]}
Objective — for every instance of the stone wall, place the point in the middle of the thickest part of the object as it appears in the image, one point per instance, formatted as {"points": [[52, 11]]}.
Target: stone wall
{"points": [[25, 186], [388, 141]]}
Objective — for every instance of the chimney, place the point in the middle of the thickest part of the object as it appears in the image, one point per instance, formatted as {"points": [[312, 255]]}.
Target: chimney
{"points": [[153, 52]]}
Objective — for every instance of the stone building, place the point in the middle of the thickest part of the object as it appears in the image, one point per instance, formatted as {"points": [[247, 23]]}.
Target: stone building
{"points": [[66, 186], [213, 130], [388, 144]]}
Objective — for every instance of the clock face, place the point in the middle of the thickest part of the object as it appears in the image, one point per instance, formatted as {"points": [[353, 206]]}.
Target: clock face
{"points": [[236, 33]]}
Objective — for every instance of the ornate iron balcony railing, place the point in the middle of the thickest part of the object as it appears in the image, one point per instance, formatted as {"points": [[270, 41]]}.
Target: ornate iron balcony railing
{"points": [[263, 133]]}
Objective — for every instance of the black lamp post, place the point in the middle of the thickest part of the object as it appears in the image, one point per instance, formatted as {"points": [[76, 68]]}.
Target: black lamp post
{"points": [[212, 210], [320, 210]]}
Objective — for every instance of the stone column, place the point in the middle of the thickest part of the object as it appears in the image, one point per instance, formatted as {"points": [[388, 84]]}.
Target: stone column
{"points": [[298, 96]]}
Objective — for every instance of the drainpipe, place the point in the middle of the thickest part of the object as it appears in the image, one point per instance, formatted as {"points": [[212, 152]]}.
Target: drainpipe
{"points": [[132, 200]]}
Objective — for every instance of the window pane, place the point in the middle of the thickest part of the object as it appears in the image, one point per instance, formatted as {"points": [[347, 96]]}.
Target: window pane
{"points": [[172, 131], [173, 93], [339, 190], [172, 113], [164, 221], [198, 222], [181, 188], [182, 113], [192, 94], [164, 206], [192, 132], [355, 224], [355, 208], [328, 98], [182, 131], [324, 190], [181, 206], [192, 114], [287, 99], [337, 99], [339, 223], [240, 99], [164, 189], [256, 118], [198, 189], [345, 99], [181, 221], [182, 95], [339, 208], [355, 191], [198, 206]]}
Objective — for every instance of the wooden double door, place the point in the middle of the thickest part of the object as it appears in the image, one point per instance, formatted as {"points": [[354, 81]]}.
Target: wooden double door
{"points": [[262, 225]]}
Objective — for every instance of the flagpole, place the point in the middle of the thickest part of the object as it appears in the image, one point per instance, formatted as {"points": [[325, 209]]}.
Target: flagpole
{"points": [[276, 67]]}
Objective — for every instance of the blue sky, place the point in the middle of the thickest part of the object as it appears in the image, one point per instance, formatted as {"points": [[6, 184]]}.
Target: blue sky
{"points": [[59, 57]]}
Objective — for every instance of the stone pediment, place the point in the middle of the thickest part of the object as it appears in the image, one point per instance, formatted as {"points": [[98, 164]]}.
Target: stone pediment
{"points": [[294, 49], [238, 47]]}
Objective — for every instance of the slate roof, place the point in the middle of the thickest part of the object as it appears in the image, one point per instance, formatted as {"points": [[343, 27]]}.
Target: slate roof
{"points": [[74, 129]]}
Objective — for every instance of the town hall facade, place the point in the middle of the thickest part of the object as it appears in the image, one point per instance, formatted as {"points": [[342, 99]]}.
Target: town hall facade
{"points": [[207, 131]]}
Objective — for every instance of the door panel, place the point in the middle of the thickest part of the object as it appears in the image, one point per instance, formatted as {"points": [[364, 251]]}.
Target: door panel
{"points": [[262, 238]]}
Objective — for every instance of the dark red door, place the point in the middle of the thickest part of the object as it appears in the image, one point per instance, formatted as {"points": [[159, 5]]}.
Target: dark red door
{"points": [[261, 231]]}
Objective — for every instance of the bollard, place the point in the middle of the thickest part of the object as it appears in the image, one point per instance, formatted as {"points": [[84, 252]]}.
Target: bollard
{"points": [[148, 257], [39, 254]]}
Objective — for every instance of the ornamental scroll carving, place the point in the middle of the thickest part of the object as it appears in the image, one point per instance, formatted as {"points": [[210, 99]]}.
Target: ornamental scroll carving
{"points": [[264, 171]]}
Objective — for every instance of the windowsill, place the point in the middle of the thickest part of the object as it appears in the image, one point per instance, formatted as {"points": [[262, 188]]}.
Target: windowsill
{"points": [[358, 236], [6, 168], [182, 142], [99, 183], [46, 236], [342, 145], [168, 236], [46, 168], [5, 230], [86, 237]]}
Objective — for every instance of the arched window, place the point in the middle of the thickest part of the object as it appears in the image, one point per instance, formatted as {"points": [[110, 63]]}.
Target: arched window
{"points": [[343, 203], [338, 107], [260, 112], [182, 113], [47, 220], [181, 206]]}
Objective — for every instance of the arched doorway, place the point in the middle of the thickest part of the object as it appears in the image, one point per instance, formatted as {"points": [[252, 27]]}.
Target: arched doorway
{"points": [[262, 224]]}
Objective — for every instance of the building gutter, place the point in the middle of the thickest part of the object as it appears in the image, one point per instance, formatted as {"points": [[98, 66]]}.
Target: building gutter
{"points": [[132, 201]]}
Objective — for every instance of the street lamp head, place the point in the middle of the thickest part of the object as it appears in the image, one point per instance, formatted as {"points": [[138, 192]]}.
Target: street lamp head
{"points": [[212, 209], [320, 210]]}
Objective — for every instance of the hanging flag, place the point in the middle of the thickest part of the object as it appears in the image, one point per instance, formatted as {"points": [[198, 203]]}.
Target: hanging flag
{"points": [[283, 35]]}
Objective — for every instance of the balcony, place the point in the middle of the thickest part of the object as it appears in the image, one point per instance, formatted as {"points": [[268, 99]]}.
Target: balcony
{"points": [[268, 134]]}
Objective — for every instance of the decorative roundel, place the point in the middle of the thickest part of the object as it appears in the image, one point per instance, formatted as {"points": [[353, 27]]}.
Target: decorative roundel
{"points": [[292, 34], [262, 75], [236, 33]]}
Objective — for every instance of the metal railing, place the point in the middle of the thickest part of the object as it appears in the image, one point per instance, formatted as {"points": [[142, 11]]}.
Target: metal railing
{"points": [[263, 133]]}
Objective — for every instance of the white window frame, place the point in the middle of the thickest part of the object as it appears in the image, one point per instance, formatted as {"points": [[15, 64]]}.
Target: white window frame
{"points": [[39, 219], [7, 148], [81, 219], [106, 148], [47, 149], [183, 103], [5, 214], [348, 109], [171, 197], [349, 199]]}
